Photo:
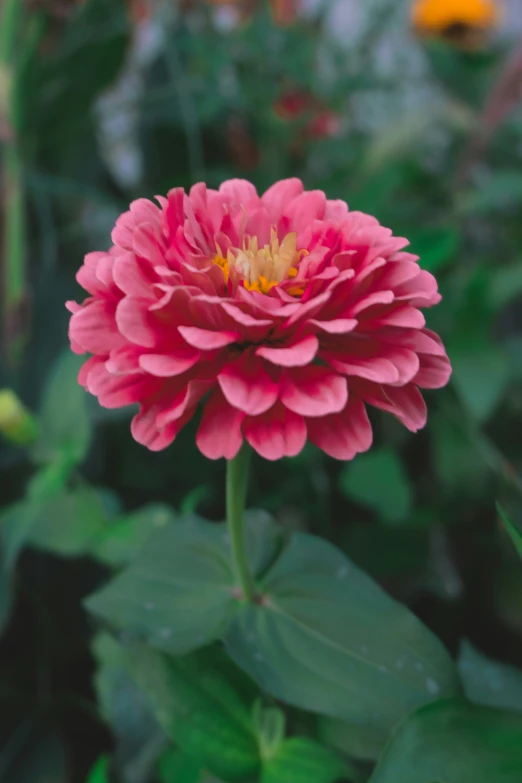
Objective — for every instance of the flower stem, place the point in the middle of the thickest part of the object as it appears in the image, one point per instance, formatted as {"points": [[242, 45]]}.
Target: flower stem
{"points": [[237, 476]]}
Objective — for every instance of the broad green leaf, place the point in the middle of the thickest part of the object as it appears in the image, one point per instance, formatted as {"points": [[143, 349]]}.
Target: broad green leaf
{"points": [[270, 725], [488, 682], [377, 479], [452, 741], [65, 429], [351, 739], [195, 701], [458, 464], [121, 542], [14, 526], [506, 284], [300, 760], [100, 771], [481, 373], [325, 638], [179, 593], [139, 739], [514, 532]]}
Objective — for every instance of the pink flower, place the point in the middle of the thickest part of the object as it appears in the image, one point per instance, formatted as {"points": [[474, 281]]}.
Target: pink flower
{"points": [[285, 314]]}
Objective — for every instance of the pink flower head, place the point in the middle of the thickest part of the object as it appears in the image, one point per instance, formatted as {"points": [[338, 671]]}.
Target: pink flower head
{"points": [[286, 314]]}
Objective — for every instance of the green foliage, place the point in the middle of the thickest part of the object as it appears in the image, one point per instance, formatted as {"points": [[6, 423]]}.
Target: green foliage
{"points": [[514, 532], [488, 682], [378, 480], [327, 639], [65, 429], [100, 772], [303, 761], [454, 741], [196, 702]]}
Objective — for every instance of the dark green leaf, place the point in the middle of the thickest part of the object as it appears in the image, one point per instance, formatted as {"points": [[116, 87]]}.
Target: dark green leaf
{"points": [[199, 708], [488, 682], [100, 771], [178, 594], [326, 638], [65, 429], [121, 542], [176, 767], [34, 753], [377, 479], [435, 246], [139, 738], [351, 739], [300, 760], [481, 373], [454, 742], [514, 532]]}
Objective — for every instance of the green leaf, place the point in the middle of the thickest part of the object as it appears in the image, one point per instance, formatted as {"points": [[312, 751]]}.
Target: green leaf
{"points": [[178, 594], [481, 373], [270, 723], [351, 739], [120, 543], [67, 524], [197, 704], [301, 760], [325, 638], [514, 532], [176, 767], [139, 739], [100, 771], [65, 429], [488, 682], [377, 480], [34, 752], [454, 742]]}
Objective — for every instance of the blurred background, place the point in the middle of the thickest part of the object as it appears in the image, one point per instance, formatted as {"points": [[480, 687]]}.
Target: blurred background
{"points": [[410, 114]]}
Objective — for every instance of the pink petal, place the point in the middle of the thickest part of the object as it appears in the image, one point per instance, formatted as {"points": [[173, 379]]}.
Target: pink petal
{"points": [[168, 365], [94, 327], [238, 193], [124, 360], [137, 323], [86, 368], [297, 355], [372, 368], [145, 243], [247, 386], [343, 435], [185, 395], [117, 391], [207, 340], [133, 275], [145, 430], [405, 316], [276, 434], [279, 195], [313, 391], [219, 434], [434, 372], [371, 300], [145, 211], [410, 406], [304, 209], [335, 326]]}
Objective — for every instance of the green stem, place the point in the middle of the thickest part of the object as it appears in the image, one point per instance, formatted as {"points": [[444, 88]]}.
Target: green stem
{"points": [[237, 476]]}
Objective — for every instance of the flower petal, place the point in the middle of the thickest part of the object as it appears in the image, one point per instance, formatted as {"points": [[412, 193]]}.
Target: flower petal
{"points": [[343, 435], [219, 434], [169, 365], [207, 340], [94, 327], [434, 372], [313, 391], [299, 354], [276, 434], [247, 386]]}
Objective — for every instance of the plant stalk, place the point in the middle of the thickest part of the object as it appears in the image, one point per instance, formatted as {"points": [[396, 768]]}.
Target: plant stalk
{"points": [[237, 478]]}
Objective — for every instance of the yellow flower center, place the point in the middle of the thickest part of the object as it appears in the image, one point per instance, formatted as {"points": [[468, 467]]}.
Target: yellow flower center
{"points": [[435, 16], [262, 268]]}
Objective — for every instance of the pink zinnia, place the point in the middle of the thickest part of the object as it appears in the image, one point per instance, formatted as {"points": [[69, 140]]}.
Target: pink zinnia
{"points": [[285, 313]]}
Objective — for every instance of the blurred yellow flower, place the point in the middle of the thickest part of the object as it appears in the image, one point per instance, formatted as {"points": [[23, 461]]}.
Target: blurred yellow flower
{"points": [[462, 21], [17, 424]]}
